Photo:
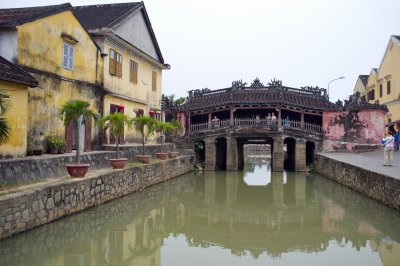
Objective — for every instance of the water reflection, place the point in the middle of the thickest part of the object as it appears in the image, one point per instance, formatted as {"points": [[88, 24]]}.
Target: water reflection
{"points": [[195, 219]]}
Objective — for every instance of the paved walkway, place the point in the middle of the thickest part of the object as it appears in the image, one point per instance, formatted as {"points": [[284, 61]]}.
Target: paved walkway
{"points": [[371, 161]]}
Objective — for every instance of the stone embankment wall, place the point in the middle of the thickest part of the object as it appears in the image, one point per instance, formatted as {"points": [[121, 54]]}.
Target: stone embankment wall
{"points": [[380, 187], [44, 203], [51, 166]]}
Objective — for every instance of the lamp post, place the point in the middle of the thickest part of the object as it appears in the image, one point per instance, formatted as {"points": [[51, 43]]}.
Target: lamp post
{"points": [[342, 77]]}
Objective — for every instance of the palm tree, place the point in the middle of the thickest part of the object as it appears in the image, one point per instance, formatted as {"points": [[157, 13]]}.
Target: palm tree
{"points": [[5, 129], [116, 122], [174, 128], [75, 110], [142, 122], [163, 127]]}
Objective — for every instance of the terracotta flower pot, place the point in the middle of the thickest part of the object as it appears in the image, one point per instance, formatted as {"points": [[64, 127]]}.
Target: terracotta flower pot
{"points": [[173, 154], [61, 151], [144, 158], [118, 163], [37, 152], [53, 150], [77, 170], [162, 155]]}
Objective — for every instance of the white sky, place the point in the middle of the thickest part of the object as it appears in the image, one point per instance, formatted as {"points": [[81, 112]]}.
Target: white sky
{"points": [[210, 43]]}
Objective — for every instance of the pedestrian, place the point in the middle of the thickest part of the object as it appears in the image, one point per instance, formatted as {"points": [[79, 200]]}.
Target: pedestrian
{"points": [[388, 147], [396, 140], [273, 119], [215, 121], [269, 119], [286, 122]]}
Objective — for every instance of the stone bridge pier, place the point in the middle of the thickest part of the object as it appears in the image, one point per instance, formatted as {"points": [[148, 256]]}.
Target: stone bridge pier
{"points": [[288, 152]]}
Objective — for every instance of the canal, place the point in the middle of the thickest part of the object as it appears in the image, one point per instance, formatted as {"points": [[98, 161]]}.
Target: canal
{"points": [[253, 217]]}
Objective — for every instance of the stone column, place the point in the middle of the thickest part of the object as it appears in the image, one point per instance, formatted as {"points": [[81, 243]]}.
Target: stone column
{"points": [[300, 155], [302, 120], [209, 154], [209, 120], [231, 118], [231, 154], [279, 117], [277, 156]]}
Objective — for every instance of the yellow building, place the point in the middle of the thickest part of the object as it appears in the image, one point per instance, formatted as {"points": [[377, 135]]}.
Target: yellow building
{"points": [[361, 85], [15, 82], [51, 44], [133, 64], [383, 84]]}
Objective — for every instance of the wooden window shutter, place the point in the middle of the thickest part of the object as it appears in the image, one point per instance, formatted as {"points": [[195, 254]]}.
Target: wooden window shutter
{"points": [[112, 62], [154, 81], [68, 136], [133, 72], [88, 135]]}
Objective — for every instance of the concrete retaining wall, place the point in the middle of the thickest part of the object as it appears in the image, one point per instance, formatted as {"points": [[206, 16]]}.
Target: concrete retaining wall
{"points": [[374, 185], [52, 166], [44, 203]]}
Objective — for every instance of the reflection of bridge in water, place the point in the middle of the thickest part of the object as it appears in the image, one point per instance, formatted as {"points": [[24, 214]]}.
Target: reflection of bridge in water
{"points": [[215, 209]]}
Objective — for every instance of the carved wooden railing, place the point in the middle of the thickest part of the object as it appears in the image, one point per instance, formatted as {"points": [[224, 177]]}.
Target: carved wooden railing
{"points": [[272, 124]]}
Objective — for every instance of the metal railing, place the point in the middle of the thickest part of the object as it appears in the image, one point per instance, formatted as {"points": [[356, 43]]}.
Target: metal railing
{"points": [[273, 124]]}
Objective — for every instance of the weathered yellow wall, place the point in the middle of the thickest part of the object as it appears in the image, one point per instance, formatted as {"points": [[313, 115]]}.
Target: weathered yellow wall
{"points": [[131, 135], [45, 101], [40, 47], [359, 87], [390, 66], [143, 89], [17, 118]]}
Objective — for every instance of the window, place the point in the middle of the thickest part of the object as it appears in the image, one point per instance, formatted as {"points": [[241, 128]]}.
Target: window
{"points": [[388, 87], [154, 81], [68, 56], [133, 72], [380, 90], [371, 95], [115, 65]]}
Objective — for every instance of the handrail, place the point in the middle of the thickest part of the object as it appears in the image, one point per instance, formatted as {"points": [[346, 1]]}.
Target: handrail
{"points": [[272, 124]]}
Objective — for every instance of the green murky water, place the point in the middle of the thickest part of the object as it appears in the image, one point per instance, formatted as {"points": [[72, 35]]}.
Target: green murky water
{"points": [[253, 217]]}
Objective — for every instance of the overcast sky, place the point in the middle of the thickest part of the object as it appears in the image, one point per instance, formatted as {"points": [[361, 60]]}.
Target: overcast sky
{"points": [[210, 43]]}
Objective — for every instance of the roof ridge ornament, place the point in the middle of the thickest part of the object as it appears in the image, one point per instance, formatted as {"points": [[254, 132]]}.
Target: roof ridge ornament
{"points": [[256, 83], [238, 84], [315, 90], [276, 83]]}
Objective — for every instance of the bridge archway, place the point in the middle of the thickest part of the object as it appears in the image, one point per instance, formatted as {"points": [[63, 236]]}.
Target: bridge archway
{"points": [[310, 151], [290, 154], [200, 150], [252, 140], [220, 153]]}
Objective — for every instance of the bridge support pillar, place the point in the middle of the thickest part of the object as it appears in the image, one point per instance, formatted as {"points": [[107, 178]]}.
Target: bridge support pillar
{"points": [[277, 155], [231, 155], [209, 154], [301, 156]]}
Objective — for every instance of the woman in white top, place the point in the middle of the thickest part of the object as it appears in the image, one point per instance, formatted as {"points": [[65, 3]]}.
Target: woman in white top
{"points": [[388, 143]]}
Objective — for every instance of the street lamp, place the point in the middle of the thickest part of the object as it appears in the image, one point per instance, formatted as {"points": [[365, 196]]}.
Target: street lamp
{"points": [[342, 77]]}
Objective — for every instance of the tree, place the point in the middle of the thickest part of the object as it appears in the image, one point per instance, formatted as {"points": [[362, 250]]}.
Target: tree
{"points": [[75, 110], [5, 129], [146, 125], [115, 123], [174, 128]]}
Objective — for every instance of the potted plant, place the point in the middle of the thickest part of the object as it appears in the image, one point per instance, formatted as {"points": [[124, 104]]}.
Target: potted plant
{"points": [[62, 145], [115, 123], [162, 127], [146, 126], [53, 144], [77, 110], [174, 128]]}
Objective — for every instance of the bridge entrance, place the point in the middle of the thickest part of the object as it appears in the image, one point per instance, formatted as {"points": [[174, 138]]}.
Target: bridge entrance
{"points": [[220, 154], [289, 149], [242, 142]]}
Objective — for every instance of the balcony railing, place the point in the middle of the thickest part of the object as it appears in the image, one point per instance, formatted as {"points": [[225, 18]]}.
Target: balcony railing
{"points": [[272, 124]]}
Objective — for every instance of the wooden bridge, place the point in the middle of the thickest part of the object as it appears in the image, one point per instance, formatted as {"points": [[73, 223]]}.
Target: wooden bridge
{"points": [[224, 120]]}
